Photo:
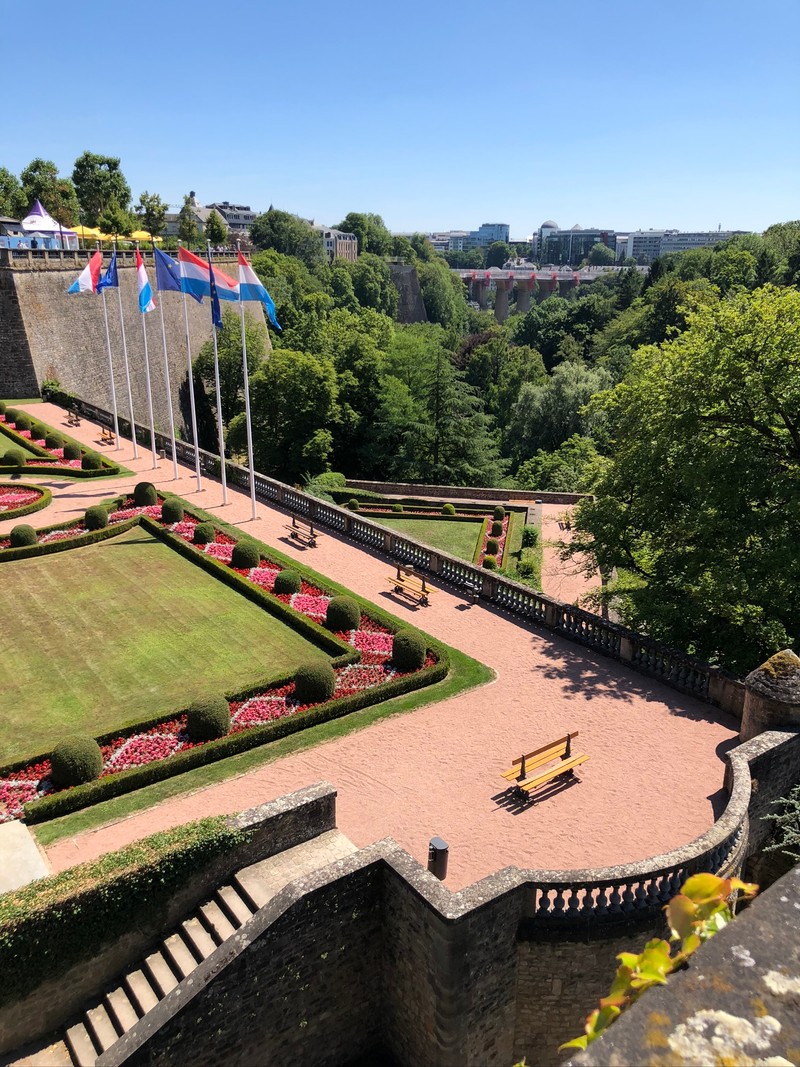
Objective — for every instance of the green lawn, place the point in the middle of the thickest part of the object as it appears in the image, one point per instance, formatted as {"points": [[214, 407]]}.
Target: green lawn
{"points": [[120, 631], [458, 538]]}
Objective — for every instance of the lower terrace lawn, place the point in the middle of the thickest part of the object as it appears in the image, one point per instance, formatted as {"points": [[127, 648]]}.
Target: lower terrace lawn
{"points": [[97, 637], [458, 538]]}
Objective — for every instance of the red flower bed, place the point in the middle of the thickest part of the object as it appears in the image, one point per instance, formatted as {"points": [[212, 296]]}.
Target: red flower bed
{"points": [[13, 498]]}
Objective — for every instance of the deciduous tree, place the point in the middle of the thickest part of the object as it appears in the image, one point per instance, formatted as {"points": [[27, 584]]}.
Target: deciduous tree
{"points": [[215, 230], [41, 181], [98, 181], [151, 213]]}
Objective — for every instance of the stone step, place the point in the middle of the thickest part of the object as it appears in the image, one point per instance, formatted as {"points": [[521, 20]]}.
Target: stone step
{"points": [[101, 1027], [121, 1010], [237, 909], [261, 881], [198, 939], [140, 992], [81, 1046], [216, 921], [180, 957], [160, 972]]}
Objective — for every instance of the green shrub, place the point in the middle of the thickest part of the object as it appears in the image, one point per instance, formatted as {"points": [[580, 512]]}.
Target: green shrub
{"points": [[54, 440], [90, 461], [331, 480], [246, 554], [2, 407], [526, 568], [353, 504], [490, 563], [314, 682], [145, 495], [492, 546], [171, 511], [408, 650], [15, 457], [397, 508], [499, 513], [497, 528], [204, 533], [206, 720], [448, 509], [287, 582], [530, 536], [75, 760], [38, 431], [95, 518], [343, 614], [72, 451], [11, 415], [22, 535], [22, 421]]}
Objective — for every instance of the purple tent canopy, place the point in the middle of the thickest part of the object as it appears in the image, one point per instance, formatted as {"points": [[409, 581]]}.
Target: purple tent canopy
{"points": [[40, 221]]}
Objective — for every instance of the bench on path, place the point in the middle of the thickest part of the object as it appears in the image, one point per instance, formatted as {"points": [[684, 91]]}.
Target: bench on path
{"points": [[519, 773], [302, 530], [406, 583], [107, 435], [73, 418]]}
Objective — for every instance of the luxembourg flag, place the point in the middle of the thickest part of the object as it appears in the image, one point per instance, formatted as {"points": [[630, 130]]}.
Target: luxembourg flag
{"points": [[195, 278], [146, 302], [251, 288], [87, 280]]}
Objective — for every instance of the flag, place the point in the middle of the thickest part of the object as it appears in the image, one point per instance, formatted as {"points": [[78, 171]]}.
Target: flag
{"points": [[195, 278], [250, 288], [168, 274], [88, 279], [110, 279], [146, 302], [216, 314]]}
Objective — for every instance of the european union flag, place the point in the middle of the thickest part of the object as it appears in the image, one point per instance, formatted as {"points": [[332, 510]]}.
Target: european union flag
{"points": [[216, 314], [110, 280], [168, 274]]}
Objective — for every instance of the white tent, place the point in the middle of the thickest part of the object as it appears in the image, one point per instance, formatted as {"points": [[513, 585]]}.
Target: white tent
{"points": [[44, 225]]}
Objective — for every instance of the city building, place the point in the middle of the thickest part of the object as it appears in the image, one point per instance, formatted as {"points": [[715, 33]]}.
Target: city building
{"points": [[570, 247], [338, 244], [646, 245], [237, 217]]}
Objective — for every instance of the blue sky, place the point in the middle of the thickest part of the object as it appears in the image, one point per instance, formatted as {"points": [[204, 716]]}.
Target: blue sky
{"points": [[436, 115]]}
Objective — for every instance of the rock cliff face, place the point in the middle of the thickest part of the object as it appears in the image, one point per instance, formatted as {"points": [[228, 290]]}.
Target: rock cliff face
{"points": [[45, 334], [411, 307]]}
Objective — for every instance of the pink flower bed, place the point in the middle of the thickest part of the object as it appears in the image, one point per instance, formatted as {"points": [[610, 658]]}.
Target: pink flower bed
{"points": [[316, 607], [11, 499], [501, 541], [55, 455]]}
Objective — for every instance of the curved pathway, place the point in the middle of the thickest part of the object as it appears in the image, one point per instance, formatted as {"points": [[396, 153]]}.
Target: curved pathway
{"points": [[652, 783]]}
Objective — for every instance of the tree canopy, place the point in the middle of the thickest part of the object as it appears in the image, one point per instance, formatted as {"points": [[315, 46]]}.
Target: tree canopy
{"points": [[215, 229], [151, 213], [370, 230], [288, 235], [99, 181], [41, 181]]}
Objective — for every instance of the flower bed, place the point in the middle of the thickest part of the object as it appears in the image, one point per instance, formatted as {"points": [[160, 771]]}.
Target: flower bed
{"points": [[501, 541], [19, 500], [48, 457]]}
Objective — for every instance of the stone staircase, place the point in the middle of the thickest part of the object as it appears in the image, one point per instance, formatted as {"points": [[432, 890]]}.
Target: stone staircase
{"points": [[196, 938]]}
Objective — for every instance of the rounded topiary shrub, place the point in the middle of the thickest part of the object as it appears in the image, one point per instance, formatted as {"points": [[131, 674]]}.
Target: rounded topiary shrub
{"points": [[492, 546], [23, 535], [208, 719], [90, 461], [75, 760], [54, 440], [353, 504], [37, 431], [499, 512], [287, 582], [343, 614], [15, 457], [408, 650], [144, 495], [530, 536], [95, 518], [11, 415], [245, 554], [497, 528], [2, 407], [314, 681], [448, 509], [204, 533], [72, 451], [171, 511], [397, 508], [22, 421], [490, 563]]}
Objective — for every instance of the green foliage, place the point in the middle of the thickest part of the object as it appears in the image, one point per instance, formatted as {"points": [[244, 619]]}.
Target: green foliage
{"points": [[408, 650], [216, 232], [287, 235], [448, 509], [231, 369], [530, 536], [22, 421], [373, 236], [499, 513], [145, 495], [2, 402], [343, 614], [314, 682], [15, 457], [497, 254], [11, 415], [38, 431], [246, 554], [187, 223], [12, 198], [372, 284], [172, 511], [287, 581], [22, 535], [151, 213], [91, 461], [787, 825], [331, 480], [208, 719], [41, 181], [99, 183], [492, 546], [204, 533], [115, 219], [545, 416], [490, 562], [443, 294], [75, 760], [496, 528], [54, 440], [397, 508], [601, 255], [95, 517], [353, 504], [72, 450], [574, 467]]}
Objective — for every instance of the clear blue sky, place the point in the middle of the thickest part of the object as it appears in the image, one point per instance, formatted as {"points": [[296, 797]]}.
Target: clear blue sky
{"points": [[436, 115]]}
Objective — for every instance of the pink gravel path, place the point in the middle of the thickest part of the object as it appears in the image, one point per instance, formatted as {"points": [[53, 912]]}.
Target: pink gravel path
{"points": [[651, 784], [562, 579]]}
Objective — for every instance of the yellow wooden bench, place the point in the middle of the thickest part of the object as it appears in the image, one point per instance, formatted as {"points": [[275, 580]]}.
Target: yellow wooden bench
{"points": [[408, 584], [107, 435], [302, 530], [519, 773]]}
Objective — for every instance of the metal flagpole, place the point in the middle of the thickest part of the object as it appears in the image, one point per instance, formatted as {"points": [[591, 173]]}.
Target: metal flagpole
{"points": [[169, 391], [190, 383], [250, 462], [147, 386], [127, 367], [111, 368], [220, 435]]}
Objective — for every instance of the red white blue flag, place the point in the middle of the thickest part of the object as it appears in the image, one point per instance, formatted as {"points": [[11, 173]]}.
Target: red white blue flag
{"points": [[146, 302], [87, 280]]}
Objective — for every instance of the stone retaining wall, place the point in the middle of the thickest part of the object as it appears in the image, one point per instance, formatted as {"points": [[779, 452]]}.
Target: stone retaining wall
{"points": [[463, 492]]}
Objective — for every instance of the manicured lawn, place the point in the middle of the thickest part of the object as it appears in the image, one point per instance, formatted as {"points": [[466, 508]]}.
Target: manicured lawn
{"points": [[120, 631], [458, 538]]}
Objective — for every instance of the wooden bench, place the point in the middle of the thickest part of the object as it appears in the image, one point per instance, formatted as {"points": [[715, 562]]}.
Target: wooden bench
{"points": [[302, 530], [107, 435], [73, 418], [519, 773], [406, 583]]}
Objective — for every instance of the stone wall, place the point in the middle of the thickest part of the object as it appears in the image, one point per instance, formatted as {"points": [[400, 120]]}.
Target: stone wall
{"points": [[46, 334], [461, 492], [410, 307]]}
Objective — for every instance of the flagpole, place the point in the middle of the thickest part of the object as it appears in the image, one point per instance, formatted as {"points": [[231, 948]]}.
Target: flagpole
{"points": [[147, 385], [169, 391], [220, 436], [110, 369], [127, 367], [250, 461]]}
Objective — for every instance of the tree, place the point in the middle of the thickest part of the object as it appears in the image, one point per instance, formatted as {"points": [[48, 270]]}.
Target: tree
{"points": [[289, 235], [115, 220], [12, 196], [98, 181], [443, 294], [372, 284], [215, 230], [40, 181], [231, 369], [545, 415], [370, 230], [601, 255], [573, 468], [151, 212], [700, 503], [497, 254], [187, 223]]}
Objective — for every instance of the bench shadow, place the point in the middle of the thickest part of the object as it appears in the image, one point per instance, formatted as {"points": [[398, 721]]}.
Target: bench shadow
{"points": [[516, 803], [399, 601]]}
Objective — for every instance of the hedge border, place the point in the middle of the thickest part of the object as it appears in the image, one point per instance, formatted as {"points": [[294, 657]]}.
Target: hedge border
{"points": [[88, 538], [476, 555], [37, 505], [107, 468]]}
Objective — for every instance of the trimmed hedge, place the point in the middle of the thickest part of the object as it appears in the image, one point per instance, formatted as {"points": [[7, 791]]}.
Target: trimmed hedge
{"points": [[408, 650], [14, 457], [72, 451], [54, 440], [75, 760], [22, 536], [172, 511], [343, 614], [36, 505], [497, 528], [90, 461], [22, 422], [448, 509], [353, 504], [492, 546], [490, 563], [397, 508], [246, 554], [287, 581], [530, 536], [314, 681], [95, 517], [204, 533], [2, 407], [89, 538], [499, 513], [145, 495], [206, 720]]}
